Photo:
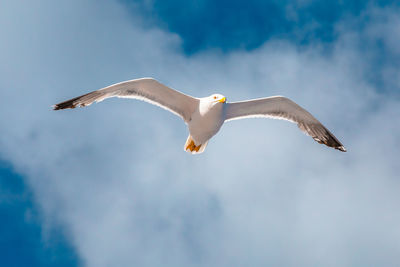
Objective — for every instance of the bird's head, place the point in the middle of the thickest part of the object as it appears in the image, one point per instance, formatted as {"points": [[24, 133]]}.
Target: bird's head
{"points": [[212, 102], [217, 98]]}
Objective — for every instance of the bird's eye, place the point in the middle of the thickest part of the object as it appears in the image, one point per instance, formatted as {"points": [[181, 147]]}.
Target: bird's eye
{"points": [[215, 97]]}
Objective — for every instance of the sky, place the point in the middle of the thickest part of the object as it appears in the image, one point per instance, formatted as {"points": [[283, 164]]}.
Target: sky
{"points": [[110, 185]]}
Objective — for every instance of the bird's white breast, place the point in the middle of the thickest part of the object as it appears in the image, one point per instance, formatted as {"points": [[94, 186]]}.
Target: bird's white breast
{"points": [[206, 121]]}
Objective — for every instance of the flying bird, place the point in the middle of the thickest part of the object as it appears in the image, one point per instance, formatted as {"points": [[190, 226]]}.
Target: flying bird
{"points": [[205, 116]]}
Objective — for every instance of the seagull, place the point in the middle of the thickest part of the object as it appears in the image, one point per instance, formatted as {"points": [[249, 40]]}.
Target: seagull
{"points": [[205, 116]]}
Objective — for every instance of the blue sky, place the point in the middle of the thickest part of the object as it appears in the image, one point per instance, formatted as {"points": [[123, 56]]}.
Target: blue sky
{"points": [[230, 25], [107, 186], [22, 242]]}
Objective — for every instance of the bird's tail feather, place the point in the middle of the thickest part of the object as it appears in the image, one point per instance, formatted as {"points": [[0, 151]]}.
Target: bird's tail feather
{"points": [[192, 147]]}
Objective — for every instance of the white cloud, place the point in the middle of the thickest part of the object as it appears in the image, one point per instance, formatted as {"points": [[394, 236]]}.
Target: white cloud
{"points": [[126, 193]]}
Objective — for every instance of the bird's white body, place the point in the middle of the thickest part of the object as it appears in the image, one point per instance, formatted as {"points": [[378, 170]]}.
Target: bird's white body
{"points": [[206, 120], [205, 116]]}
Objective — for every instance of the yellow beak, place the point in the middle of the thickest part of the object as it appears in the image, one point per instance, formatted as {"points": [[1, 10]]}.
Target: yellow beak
{"points": [[222, 100]]}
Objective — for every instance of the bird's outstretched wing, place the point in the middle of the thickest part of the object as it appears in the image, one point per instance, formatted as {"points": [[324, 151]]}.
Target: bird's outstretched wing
{"points": [[279, 107], [147, 89]]}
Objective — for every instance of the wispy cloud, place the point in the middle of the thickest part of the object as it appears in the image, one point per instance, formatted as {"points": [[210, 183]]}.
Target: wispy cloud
{"points": [[116, 178]]}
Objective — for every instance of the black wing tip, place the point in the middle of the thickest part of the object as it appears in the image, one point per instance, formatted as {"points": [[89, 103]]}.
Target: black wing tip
{"points": [[335, 144], [341, 148], [72, 103], [64, 105], [75, 102], [331, 141], [56, 107]]}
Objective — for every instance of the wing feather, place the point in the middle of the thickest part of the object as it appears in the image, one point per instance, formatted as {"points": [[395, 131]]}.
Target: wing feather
{"points": [[146, 89], [279, 107]]}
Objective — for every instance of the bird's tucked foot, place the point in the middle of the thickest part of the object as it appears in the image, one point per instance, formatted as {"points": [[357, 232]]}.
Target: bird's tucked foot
{"points": [[192, 146]]}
